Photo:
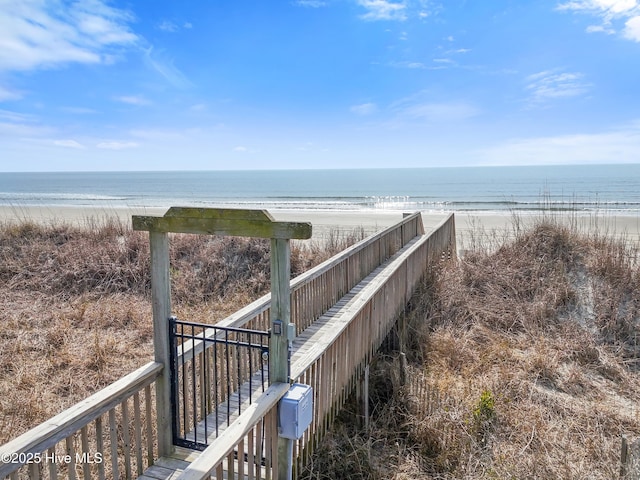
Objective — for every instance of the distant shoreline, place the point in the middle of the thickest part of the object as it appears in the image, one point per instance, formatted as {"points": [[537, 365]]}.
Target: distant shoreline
{"points": [[478, 223]]}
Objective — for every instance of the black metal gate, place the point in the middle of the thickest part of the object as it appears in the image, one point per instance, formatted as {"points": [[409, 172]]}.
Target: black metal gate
{"points": [[215, 372]]}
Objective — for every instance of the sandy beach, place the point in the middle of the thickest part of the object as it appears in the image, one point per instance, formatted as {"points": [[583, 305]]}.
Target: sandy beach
{"points": [[470, 227]]}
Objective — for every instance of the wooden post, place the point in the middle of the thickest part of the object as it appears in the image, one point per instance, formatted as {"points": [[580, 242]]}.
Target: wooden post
{"points": [[365, 398], [630, 459], [161, 301], [278, 346], [280, 309], [227, 222], [624, 454], [403, 369]]}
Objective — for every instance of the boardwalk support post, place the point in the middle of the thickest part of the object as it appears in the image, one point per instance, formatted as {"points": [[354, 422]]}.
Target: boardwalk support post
{"points": [[365, 397], [225, 222], [161, 301], [279, 344]]}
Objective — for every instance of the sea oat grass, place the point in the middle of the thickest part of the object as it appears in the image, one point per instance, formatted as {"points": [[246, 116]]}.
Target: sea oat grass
{"points": [[523, 363], [77, 311]]}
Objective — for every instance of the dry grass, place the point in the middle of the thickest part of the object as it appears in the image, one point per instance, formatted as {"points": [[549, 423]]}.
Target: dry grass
{"points": [[523, 357], [77, 311], [523, 364]]}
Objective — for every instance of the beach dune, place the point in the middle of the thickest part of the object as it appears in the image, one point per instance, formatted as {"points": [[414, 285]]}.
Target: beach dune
{"points": [[470, 227]]}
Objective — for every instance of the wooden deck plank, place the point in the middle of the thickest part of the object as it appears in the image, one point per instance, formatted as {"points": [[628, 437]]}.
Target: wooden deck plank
{"points": [[161, 473], [306, 346]]}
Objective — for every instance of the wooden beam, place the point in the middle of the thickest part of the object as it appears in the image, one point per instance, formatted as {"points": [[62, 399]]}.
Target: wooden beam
{"points": [[225, 222], [278, 345], [280, 309], [220, 213], [64, 424], [161, 303]]}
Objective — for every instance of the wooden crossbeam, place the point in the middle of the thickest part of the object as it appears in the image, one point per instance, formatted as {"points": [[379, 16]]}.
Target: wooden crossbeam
{"points": [[222, 221]]}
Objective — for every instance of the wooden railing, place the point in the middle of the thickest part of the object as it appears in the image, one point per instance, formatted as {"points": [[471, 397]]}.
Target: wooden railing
{"points": [[312, 294], [335, 364], [318, 289], [332, 366], [114, 429], [108, 435]]}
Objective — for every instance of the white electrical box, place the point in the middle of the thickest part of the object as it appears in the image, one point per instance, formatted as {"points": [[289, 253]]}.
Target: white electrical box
{"points": [[296, 411]]}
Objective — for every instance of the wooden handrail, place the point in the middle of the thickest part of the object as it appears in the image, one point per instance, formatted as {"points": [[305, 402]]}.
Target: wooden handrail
{"points": [[409, 263], [403, 270], [349, 251], [369, 290], [261, 305], [226, 442], [47, 434]]}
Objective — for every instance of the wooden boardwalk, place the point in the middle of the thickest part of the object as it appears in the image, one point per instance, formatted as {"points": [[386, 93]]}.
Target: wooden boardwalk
{"points": [[342, 309], [310, 341], [171, 467]]}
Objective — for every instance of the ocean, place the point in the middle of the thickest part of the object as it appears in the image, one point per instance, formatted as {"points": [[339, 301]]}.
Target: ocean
{"points": [[611, 188]]}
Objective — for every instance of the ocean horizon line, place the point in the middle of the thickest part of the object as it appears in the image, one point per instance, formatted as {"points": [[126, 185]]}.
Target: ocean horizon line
{"points": [[425, 167]]}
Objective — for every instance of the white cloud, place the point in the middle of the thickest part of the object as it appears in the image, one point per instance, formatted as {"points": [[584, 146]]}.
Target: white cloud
{"points": [[547, 85], [242, 149], [68, 144], [163, 65], [600, 6], [22, 125], [632, 29], [364, 109], [7, 94], [21, 130], [16, 116], [172, 27], [441, 112], [420, 106], [411, 65], [310, 3], [46, 33], [620, 145], [168, 26], [79, 110], [600, 28], [383, 10], [611, 13], [117, 145], [133, 100]]}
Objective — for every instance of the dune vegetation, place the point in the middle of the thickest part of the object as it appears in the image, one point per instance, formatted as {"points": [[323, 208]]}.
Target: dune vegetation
{"points": [[77, 310], [523, 362], [522, 356]]}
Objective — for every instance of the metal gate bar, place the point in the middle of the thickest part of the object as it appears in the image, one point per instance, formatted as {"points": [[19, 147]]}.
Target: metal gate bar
{"points": [[208, 388]]}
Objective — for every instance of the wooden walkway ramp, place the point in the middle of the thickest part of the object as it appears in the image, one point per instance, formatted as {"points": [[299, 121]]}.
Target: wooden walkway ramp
{"points": [[343, 309], [308, 347], [312, 341]]}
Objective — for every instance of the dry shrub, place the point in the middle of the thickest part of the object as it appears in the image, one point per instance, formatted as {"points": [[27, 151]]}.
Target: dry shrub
{"points": [[77, 311], [206, 267], [523, 364]]}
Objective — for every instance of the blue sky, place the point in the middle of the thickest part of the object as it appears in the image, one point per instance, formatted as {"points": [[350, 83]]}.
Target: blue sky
{"points": [[175, 85]]}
